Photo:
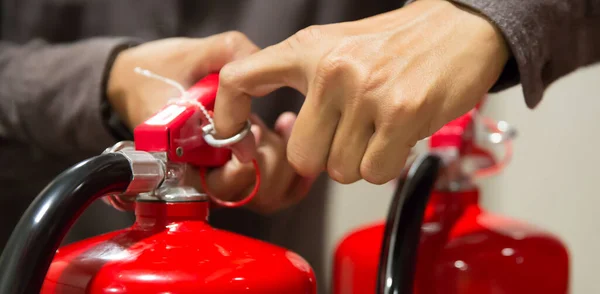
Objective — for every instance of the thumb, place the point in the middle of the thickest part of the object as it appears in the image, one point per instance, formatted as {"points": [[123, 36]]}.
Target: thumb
{"points": [[285, 124], [230, 181], [234, 178], [212, 53]]}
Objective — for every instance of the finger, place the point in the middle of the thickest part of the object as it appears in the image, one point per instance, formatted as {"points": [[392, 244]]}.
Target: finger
{"points": [[349, 144], [256, 120], [256, 75], [299, 189], [235, 177], [284, 125], [301, 185], [312, 135], [384, 158], [273, 147], [245, 150], [229, 182], [212, 53]]}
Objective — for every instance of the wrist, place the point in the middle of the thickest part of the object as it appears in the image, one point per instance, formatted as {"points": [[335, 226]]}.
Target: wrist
{"points": [[112, 105], [489, 29]]}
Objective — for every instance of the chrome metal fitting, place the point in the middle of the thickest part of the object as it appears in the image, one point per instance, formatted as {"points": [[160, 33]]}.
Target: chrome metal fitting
{"points": [[209, 131], [173, 188], [148, 170], [174, 194], [148, 173]]}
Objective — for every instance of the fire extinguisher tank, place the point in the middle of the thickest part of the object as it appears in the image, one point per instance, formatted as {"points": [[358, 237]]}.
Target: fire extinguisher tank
{"points": [[172, 249], [463, 249], [447, 242]]}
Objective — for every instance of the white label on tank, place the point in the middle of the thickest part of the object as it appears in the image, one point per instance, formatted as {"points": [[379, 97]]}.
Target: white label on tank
{"points": [[166, 115]]}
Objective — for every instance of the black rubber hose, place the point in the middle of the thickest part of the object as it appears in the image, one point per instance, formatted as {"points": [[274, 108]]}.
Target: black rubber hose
{"points": [[397, 264], [34, 241]]}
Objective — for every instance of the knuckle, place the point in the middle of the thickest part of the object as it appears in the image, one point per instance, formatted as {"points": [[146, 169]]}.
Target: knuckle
{"points": [[342, 175], [374, 174], [308, 34], [332, 65], [399, 110], [233, 38], [341, 170], [338, 64], [230, 74], [330, 70], [302, 162], [401, 106], [412, 101], [372, 81], [236, 43]]}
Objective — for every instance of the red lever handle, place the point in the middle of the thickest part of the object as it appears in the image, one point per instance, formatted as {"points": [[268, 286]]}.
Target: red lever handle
{"points": [[177, 129]]}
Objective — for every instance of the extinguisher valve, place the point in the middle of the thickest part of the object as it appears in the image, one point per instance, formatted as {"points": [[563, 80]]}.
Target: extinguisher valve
{"points": [[148, 174], [181, 134], [465, 155]]}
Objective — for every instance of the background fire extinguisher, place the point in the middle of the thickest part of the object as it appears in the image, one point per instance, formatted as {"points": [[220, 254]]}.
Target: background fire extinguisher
{"points": [[171, 248], [438, 239]]}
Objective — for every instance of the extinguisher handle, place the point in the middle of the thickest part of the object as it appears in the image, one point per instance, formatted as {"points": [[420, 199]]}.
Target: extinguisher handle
{"points": [[179, 128], [402, 233]]}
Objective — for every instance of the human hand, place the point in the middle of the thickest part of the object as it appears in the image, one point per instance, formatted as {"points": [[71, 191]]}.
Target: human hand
{"points": [[281, 186], [373, 87], [136, 98], [186, 61]]}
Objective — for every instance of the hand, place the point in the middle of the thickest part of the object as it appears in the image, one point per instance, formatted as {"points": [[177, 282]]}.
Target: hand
{"points": [[281, 186], [373, 87], [136, 98]]}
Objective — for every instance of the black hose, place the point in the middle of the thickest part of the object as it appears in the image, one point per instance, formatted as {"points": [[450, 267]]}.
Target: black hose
{"points": [[397, 264], [34, 241]]}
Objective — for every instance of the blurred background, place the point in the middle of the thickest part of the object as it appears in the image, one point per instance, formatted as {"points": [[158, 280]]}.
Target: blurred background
{"points": [[550, 182]]}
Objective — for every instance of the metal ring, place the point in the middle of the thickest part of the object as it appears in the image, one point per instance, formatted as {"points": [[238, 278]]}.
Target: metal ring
{"points": [[504, 132], [208, 135]]}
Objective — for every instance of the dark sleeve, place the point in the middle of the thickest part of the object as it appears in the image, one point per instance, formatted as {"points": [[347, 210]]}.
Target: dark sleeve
{"points": [[548, 39], [51, 95]]}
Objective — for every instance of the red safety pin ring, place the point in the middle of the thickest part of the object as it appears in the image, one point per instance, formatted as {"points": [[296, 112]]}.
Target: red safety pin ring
{"points": [[232, 204]]}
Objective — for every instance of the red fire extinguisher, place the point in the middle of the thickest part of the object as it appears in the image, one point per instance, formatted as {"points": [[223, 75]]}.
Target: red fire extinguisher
{"points": [[438, 239], [171, 248]]}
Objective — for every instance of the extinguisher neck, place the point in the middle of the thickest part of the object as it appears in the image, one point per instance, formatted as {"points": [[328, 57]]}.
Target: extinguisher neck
{"points": [[453, 179], [160, 214], [441, 201]]}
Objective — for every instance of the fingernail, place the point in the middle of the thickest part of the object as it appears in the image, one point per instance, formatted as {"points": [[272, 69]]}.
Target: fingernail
{"points": [[256, 131]]}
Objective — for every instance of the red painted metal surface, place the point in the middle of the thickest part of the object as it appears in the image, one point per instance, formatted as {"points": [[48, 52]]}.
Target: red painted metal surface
{"points": [[172, 249], [463, 248], [179, 125]]}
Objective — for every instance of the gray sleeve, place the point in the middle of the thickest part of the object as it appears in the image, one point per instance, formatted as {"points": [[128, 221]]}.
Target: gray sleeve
{"points": [[50, 95], [548, 39]]}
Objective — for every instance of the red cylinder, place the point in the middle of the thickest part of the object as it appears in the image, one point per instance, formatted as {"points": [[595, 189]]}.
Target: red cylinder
{"points": [[172, 249], [463, 250]]}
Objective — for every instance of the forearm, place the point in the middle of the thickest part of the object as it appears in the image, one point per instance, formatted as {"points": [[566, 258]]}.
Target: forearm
{"points": [[548, 39], [50, 95]]}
